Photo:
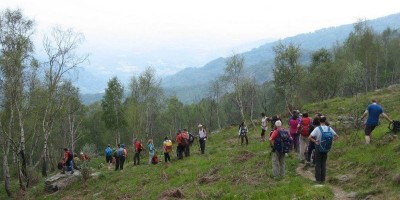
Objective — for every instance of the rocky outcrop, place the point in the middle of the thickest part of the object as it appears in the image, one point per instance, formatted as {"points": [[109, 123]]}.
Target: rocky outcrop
{"points": [[60, 181]]}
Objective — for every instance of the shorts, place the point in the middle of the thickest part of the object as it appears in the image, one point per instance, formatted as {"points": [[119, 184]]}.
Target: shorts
{"points": [[368, 129], [109, 159], [262, 132]]}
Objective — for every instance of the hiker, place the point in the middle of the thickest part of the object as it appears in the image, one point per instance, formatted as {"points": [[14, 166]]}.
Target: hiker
{"points": [[280, 141], [304, 129], [322, 136], [117, 157], [311, 144], [373, 111], [185, 140], [84, 157], [138, 149], [202, 138], [243, 133], [68, 157], [180, 148], [167, 147], [122, 156], [108, 151], [61, 165], [273, 120], [152, 150], [294, 121], [264, 128]]}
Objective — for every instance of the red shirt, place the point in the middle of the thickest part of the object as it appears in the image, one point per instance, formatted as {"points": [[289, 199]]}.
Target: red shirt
{"points": [[275, 134], [66, 155], [137, 146], [179, 139]]}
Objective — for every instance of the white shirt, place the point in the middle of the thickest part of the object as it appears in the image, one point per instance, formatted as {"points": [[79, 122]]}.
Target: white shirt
{"points": [[202, 133], [264, 123], [317, 133]]}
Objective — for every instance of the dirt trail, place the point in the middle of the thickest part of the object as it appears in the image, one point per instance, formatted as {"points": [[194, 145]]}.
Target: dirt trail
{"points": [[339, 193]]}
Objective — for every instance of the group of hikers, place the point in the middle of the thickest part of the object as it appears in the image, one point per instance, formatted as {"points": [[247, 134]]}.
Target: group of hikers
{"points": [[71, 161], [310, 138], [183, 141]]}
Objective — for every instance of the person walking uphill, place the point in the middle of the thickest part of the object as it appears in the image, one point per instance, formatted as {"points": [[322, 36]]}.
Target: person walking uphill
{"points": [[323, 137], [108, 152], [304, 130], [121, 152], [374, 110], [243, 133], [281, 143], [294, 121], [202, 138]]}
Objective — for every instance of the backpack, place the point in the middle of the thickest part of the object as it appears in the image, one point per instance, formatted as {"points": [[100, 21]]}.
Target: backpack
{"points": [[120, 152], [283, 142], [168, 146], [70, 156], [304, 128], [191, 138], [155, 159], [243, 130], [108, 152], [394, 127], [326, 140]]}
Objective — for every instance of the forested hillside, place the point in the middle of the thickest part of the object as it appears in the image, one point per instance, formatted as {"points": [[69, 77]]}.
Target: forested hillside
{"points": [[41, 112]]}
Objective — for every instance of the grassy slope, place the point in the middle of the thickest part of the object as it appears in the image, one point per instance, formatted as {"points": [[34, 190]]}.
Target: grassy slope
{"points": [[234, 172]]}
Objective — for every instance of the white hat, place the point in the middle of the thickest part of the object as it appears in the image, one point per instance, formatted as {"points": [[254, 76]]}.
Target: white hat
{"points": [[278, 123], [200, 125]]}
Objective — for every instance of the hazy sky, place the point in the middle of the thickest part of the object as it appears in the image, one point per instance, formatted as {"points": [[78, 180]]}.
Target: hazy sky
{"points": [[128, 35]]}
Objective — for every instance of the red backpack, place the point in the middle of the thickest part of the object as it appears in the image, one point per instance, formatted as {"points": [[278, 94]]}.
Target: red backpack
{"points": [[305, 126], [155, 159]]}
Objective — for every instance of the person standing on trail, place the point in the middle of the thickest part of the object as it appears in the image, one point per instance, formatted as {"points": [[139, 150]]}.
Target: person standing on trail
{"points": [[280, 142], [294, 122], [311, 144], [108, 152], [138, 149], [374, 110], [304, 129], [167, 147], [243, 133], [322, 136], [152, 150], [117, 157], [185, 139], [264, 120], [202, 138]]}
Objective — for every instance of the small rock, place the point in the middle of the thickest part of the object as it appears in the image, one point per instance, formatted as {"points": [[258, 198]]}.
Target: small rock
{"points": [[352, 195]]}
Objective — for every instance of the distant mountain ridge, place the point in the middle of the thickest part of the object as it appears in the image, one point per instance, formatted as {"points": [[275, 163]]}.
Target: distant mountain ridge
{"points": [[190, 84]]}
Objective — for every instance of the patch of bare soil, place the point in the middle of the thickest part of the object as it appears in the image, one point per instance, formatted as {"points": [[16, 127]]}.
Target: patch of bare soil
{"points": [[172, 193], [339, 193], [124, 197], [243, 156], [210, 177]]}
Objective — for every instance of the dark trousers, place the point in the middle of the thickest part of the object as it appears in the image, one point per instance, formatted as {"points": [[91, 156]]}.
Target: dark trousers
{"points": [[202, 145], [117, 162], [180, 151], [320, 165], [187, 150], [121, 162], [136, 158], [310, 148], [167, 157], [244, 136]]}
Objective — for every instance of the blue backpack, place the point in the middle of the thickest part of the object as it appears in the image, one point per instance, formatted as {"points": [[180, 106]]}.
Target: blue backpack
{"points": [[108, 151], [283, 142], [326, 140], [120, 152]]}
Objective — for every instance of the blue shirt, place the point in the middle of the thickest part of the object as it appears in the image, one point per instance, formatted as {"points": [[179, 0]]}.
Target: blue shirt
{"points": [[374, 111]]}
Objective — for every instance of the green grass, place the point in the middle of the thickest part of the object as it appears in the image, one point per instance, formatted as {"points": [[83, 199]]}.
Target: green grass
{"points": [[231, 171]]}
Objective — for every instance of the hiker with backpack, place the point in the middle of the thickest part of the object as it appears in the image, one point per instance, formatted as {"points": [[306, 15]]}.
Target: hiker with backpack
{"points": [[151, 149], [281, 144], [138, 150], [243, 133], [303, 129], [68, 157], [294, 121], [264, 120], [311, 144], [167, 147], [374, 110], [117, 157], [202, 138], [108, 152], [323, 137]]}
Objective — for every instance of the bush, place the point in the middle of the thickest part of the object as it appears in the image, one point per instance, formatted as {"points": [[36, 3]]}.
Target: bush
{"points": [[85, 171]]}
